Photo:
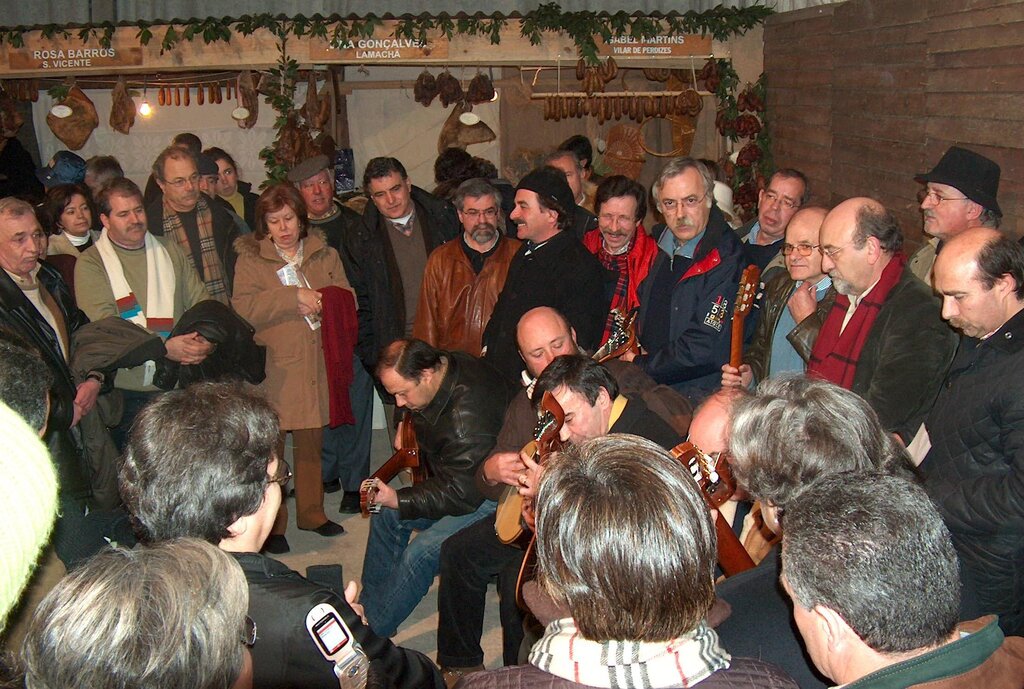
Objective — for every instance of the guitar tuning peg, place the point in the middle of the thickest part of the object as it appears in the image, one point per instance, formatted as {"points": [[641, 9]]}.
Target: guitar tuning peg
{"points": [[713, 477]]}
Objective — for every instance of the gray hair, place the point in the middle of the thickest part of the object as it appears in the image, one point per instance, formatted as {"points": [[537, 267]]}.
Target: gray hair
{"points": [[475, 188], [166, 616], [879, 223], [566, 153], [796, 429], [678, 166], [873, 548], [15, 207], [625, 540]]}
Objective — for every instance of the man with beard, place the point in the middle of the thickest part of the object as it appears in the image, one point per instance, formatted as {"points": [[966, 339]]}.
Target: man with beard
{"points": [[463, 278], [960, 193], [884, 338], [620, 243], [686, 301]]}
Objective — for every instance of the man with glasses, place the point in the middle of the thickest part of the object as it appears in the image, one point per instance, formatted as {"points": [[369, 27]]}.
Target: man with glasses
{"points": [[793, 307], [463, 278], [786, 193], [686, 302], [959, 193], [202, 228], [884, 337], [221, 437]]}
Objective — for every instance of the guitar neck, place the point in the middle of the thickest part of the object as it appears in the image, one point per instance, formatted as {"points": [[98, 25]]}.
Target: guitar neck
{"points": [[736, 348]]}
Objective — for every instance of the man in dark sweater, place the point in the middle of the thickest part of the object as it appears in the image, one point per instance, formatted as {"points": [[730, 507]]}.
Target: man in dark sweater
{"points": [[551, 268], [222, 436]]}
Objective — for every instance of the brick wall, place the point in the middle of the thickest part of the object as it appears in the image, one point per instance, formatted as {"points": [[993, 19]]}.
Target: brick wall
{"points": [[865, 94]]}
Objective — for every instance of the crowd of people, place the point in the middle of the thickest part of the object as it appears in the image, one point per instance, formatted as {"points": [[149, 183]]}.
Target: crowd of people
{"points": [[843, 507]]}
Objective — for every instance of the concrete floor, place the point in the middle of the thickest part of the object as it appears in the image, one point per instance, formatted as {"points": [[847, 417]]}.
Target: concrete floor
{"points": [[419, 632]]}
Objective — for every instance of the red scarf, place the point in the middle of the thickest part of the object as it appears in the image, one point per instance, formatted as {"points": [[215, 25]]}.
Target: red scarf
{"points": [[338, 340], [836, 354]]}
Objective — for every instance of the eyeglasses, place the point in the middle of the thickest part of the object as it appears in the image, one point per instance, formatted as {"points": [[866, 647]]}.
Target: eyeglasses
{"points": [[282, 479], [935, 197], [473, 213], [191, 180], [802, 249], [789, 204], [248, 636], [831, 252], [689, 202]]}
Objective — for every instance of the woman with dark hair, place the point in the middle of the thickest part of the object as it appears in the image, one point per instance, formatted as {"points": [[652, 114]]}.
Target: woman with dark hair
{"points": [[279, 272], [67, 215], [233, 190]]}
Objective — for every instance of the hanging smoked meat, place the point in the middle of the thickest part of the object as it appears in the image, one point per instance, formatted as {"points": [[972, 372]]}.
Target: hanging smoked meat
{"points": [[75, 129], [10, 119], [480, 89], [317, 109], [122, 108], [449, 88], [247, 99], [425, 89]]}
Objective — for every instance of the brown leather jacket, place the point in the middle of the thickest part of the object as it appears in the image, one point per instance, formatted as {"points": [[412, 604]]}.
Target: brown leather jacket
{"points": [[456, 303], [776, 293]]}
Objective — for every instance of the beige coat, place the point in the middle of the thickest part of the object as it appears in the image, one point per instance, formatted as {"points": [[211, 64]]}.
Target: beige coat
{"points": [[296, 382]]}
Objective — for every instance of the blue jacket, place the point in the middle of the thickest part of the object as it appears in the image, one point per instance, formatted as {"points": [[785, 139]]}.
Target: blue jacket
{"points": [[700, 324]]}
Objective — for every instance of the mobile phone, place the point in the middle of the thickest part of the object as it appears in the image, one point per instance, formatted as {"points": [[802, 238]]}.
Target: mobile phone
{"points": [[335, 642]]}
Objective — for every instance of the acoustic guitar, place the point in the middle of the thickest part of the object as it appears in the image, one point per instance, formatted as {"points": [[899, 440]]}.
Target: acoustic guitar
{"points": [[622, 338], [744, 303], [406, 458], [508, 517], [714, 477]]}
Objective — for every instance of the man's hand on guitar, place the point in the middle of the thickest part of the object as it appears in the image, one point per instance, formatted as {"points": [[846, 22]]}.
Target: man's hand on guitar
{"points": [[379, 493], [733, 377], [503, 467], [529, 479]]}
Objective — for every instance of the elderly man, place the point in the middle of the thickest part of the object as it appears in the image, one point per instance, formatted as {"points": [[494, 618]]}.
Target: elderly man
{"points": [[346, 448], [569, 163], [787, 191], [203, 229], [686, 301], [473, 557], [620, 243], [551, 269], [793, 431], [456, 403], [873, 578], [884, 337], [386, 253], [975, 467], [960, 193], [146, 279], [627, 605], [463, 278], [793, 307], [221, 437]]}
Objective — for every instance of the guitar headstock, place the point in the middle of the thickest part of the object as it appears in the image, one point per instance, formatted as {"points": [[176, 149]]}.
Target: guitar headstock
{"points": [[550, 417], [623, 336], [711, 472], [747, 291]]}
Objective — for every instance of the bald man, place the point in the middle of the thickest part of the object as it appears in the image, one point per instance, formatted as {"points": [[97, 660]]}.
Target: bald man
{"points": [[884, 338], [793, 307], [974, 470]]}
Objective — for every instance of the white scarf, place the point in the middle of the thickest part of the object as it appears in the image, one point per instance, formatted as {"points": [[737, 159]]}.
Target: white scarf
{"points": [[681, 662], [160, 285]]}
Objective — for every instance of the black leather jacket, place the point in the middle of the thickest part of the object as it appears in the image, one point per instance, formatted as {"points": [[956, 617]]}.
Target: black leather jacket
{"points": [[776, 294], [18, 315], [285, 656], [455, 432], [373, 271]]}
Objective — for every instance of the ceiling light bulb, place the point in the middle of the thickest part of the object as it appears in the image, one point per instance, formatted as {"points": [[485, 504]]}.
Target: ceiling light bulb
{"points": [[144, 108]]}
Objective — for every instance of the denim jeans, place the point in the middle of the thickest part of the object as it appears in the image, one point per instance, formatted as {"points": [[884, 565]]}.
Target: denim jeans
{"points": [[399, 569], [346, 449]]}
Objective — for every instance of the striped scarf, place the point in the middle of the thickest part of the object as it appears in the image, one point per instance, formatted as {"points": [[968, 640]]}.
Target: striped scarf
{"points": [[618, 263], [212, 271], [680, 662]]}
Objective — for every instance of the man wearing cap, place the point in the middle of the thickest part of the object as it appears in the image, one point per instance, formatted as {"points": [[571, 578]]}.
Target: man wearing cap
{"points": [[346, 448], [65, 168], [203, 229], [960, 193], [686, 302], [551, 268], [385, 254]]}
